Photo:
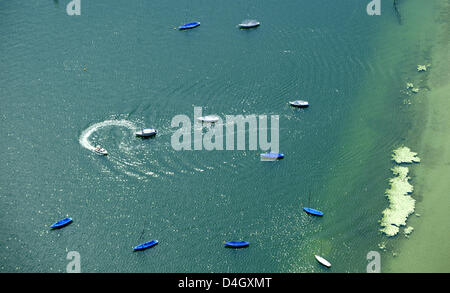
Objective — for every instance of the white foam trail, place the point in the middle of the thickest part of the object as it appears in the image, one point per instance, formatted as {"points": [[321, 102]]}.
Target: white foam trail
{"points": [[84, 137]]}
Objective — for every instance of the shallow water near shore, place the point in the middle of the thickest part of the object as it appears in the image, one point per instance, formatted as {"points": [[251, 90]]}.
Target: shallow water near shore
{"points": [[73, 82], [428, 247]]}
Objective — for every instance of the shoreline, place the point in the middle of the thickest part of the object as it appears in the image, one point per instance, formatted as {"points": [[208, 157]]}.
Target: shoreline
{"points": [[373, 146], [428, 247]]}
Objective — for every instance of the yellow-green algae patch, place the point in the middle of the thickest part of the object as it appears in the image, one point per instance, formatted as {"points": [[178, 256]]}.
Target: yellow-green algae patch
{"points": [[421, 68], [405, 155], [401, 204], [408, 230]]}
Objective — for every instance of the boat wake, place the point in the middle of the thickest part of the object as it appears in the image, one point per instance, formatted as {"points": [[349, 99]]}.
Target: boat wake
{"points": [[143, 159], [84, 137]]}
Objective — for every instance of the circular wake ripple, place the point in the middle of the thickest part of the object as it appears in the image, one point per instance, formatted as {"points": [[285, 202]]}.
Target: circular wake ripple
{"points": [[134, 158], [84, 137], [130, 159]]}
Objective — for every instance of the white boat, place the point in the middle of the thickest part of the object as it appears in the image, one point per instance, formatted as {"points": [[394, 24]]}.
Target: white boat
{"points": [[249, 24], [299, 103], [101, 151], [322, 261], [209, 118], [147, 132]]}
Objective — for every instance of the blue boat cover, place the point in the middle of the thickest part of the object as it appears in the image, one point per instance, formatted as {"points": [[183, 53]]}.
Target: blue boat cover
{"points": [[272, 155], [189, 25], [61, 223], [237, 244], [313, 212], [146, 245]]}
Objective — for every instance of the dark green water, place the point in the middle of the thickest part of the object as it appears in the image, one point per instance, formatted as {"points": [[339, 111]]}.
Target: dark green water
{"points": [[139, 69]]}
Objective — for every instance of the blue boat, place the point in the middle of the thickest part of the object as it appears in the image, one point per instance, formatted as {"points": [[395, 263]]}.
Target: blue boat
{"points": [[146, 245], [313, 212], [271, 156], [237, 244], [61, 223], [189, 25]]}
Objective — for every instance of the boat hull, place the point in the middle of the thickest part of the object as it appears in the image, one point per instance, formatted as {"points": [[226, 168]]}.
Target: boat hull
{"points": [[189, 26], [237, 244], [247, 26], [299, 104], [249, 23], [61, 223], [313, 212], [322, 261], [146, 245], [100, 151], [271, 156], [208, 119], [146, 134]]}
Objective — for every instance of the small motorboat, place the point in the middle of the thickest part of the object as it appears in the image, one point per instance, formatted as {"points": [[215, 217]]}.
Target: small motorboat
{"points": [[299, 104], [313, 212], [146, 245], [61, 223], [209, 119], [237, 244], [147, 132], [271, 156], [189, 25], [101, 151], [322, 261], [249, 24]]}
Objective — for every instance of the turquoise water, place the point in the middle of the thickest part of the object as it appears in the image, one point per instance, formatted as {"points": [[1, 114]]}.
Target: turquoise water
{"points": [[123, 60]]}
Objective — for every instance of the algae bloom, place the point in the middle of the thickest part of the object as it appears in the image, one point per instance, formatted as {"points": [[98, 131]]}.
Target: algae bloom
{"points": [[421, 68], [405, 155], [401, 204], [408, 230]]}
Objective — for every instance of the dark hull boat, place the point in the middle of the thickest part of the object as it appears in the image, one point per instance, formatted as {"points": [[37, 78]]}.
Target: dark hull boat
{"points": [[237, 244], [61, 223], [146, 245], [189, 26]]}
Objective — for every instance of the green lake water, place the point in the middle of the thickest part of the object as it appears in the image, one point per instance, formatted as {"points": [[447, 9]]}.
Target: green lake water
{"points": [[123, 62]]}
